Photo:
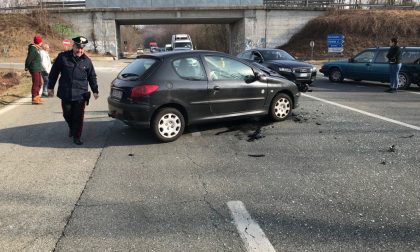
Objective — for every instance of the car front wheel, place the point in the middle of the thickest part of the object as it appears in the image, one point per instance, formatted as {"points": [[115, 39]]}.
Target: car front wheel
{"points": [[404, 81], [281, 107], [168, 124], [336, 75]]}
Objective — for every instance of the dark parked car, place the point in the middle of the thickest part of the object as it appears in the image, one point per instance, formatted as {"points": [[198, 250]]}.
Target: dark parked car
{"points": [[280, 61], [372, 65], [168, 91]]}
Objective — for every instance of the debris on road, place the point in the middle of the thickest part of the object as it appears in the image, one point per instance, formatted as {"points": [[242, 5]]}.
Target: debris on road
{"points": [[410, 136], [392, 148], [255, 136], [256, 155], [131, 155]]}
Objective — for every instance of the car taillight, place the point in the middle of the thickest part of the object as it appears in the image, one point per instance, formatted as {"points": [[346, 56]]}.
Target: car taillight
{"points": [[143, 90]]}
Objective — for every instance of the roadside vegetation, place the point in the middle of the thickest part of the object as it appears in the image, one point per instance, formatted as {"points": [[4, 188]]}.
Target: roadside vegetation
{"points": [[361, 28], [13, 85]]}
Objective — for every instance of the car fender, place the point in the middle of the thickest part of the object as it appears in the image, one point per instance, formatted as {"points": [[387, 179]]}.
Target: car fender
{"points": [[277, 85]]}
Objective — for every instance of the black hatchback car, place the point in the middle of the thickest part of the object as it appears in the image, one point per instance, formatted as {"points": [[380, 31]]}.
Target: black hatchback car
{"points": [[167, 91], [283, 63]]}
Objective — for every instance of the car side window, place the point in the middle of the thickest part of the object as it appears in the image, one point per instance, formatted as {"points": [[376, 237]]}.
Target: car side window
{"points": [[245, 55], [410, 56], [364, 57], [223, 68], [381, 57], [256, 56], [189, 68]]}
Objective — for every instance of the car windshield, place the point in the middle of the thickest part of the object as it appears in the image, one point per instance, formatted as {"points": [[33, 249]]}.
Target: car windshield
{"points": [[186, 45], [136, 69], [276, 55]]}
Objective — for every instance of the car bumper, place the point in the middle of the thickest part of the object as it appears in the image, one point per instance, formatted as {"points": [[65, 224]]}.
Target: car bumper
{"points": [[133, 114], [324, 71]]}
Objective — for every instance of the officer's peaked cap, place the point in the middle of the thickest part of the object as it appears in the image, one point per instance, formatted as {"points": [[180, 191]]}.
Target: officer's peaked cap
{"points": [[80, 41]]}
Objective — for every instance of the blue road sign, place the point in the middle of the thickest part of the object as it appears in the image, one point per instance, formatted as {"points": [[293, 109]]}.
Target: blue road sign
{"points": [[335, 43]]}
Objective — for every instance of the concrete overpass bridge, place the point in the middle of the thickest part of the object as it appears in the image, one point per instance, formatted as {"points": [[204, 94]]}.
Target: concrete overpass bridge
{"points": [[250, 22]]}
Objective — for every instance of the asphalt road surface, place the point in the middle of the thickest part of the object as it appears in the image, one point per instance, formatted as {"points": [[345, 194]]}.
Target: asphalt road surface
{"points": [[342, 174]]}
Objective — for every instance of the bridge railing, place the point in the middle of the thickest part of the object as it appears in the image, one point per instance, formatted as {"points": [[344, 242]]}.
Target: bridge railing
{"points": [[46, 5], [288, 4], [343, 4]]}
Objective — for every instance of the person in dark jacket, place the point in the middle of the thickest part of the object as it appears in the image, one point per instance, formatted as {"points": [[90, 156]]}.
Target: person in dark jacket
{"points": [[33, 64], [394, 60], [77, 73]]}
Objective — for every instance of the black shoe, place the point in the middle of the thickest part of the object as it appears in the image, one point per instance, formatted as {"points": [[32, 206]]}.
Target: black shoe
{"points": [[390, 90], [77, 141]]}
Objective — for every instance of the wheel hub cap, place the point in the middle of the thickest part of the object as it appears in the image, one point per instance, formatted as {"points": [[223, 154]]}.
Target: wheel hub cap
{"points": [[282, 108], [169, 125]]}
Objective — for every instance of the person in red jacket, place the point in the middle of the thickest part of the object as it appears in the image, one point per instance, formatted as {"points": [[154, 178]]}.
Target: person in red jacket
{"points": [[76, 75], [33, 64]]}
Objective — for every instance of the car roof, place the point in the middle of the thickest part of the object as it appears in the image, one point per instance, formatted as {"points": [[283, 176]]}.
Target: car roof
{"points": [[387, 47], [183, 52], [265, 49]]}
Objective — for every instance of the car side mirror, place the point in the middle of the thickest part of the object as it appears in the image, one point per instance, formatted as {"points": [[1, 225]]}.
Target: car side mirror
{"points": [[351, 60], [251, 78]]}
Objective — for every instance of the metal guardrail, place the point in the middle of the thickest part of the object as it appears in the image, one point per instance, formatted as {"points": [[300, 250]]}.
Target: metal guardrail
{"points": [[342, 4], [47, 5]]}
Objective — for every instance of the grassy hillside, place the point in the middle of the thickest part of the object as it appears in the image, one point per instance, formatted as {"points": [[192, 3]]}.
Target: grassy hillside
{"points": [[361, 28], [17, 31]]}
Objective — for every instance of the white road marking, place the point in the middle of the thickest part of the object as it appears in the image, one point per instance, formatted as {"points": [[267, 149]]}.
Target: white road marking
{"points": [[15, 104], [417, 93], [109, 69], [365, 112], [251, 234]]}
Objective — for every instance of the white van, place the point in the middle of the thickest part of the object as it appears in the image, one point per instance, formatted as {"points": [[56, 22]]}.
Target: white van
{"points": [[181, 42]]}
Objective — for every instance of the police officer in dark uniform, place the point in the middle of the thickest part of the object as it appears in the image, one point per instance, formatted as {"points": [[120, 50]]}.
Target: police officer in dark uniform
{"points": [[77, 72]]}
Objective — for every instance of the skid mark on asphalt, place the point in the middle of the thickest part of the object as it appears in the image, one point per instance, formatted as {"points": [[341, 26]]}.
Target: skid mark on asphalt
{"points": [[252, 235], [365, 112]]}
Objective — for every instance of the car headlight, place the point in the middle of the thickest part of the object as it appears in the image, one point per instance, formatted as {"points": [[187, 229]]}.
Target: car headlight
{"points": [[313, 69], [284, 69]]}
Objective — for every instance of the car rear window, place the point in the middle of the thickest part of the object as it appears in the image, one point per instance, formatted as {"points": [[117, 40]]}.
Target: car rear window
{"points": [[136, 69]]}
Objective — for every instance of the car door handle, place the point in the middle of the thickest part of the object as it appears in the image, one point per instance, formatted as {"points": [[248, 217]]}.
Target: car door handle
{"points": [[216, 88]]}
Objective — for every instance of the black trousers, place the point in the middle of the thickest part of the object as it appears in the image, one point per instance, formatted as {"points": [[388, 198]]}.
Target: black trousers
{"points": [[73, 113]]}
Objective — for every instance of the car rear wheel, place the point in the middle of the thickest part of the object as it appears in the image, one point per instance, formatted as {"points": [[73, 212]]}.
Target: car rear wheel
{"points": [[168, 124], [404, 80], [336, 75], [281, 107]]}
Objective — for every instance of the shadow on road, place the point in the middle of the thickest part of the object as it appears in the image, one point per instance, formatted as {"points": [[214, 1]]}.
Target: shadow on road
{"points": [[96, 134], [355, 86]]}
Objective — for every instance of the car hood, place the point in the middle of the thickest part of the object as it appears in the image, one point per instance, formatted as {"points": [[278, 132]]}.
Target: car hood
{"points": [[288, 63]]}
